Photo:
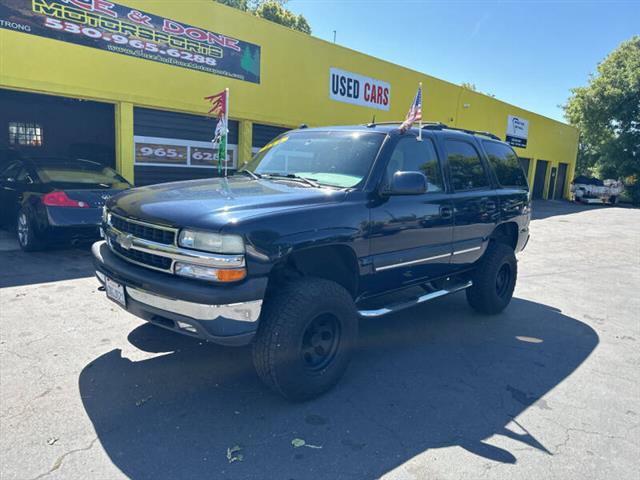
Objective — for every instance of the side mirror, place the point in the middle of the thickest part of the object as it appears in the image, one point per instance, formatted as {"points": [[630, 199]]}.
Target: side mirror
{"points": [[407, 183]]}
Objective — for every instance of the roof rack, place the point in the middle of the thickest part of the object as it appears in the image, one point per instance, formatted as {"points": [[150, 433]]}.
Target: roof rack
{"points": [[439, 126]]}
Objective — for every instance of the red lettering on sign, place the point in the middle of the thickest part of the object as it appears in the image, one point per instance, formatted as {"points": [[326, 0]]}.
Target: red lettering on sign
{"points": [[366, 91], [170, 26], [103, 6], [379, 96], [386, 96], [137, 17], [196, 34]]}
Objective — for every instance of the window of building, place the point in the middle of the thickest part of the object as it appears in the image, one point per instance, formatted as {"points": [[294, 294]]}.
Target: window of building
{"points": [[26, 134], [411, 155], [467, 171], [506, 164]]}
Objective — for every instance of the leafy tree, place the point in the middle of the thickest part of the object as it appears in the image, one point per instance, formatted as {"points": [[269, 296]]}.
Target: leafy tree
{"points": [[607, 113], [469, 86], [273, 10]]}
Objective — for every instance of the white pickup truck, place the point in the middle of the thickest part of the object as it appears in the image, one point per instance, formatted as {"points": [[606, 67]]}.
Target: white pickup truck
{"points": [[593, 190]]}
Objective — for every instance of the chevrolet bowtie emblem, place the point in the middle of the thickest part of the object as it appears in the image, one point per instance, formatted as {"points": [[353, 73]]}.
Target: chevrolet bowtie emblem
{"points": [[125, 241]]}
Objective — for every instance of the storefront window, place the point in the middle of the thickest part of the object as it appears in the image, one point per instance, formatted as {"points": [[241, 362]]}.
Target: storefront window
{"points": [[26, 134]]}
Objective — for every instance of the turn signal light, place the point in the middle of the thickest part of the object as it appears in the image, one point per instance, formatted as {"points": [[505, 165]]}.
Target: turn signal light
{"points": [[231, 275], [60, 199]]}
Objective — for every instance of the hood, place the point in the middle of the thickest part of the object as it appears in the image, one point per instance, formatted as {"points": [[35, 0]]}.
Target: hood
{"points": [[215, 202]]}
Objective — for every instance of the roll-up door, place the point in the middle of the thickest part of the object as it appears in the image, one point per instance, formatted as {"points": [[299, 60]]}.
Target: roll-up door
{"points": [[263, 134], [171, 146]]}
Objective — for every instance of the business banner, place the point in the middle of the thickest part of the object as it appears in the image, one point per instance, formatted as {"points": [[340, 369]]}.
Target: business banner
{"points": [[517, 131], [120, 29], [349, 87]]}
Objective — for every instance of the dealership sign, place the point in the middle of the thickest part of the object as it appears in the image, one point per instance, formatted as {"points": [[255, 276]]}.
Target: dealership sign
{"points": [[517, 131], [357, 89], [119, 29]]}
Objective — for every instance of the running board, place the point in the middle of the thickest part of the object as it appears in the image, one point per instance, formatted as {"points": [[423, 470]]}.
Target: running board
{"points": [[421, 299]]}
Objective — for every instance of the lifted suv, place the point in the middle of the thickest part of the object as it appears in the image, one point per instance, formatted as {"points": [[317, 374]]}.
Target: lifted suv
{"points": [[323, 226]]}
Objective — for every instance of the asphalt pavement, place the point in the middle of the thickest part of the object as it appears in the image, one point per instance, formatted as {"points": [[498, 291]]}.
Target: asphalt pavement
{"points": [[550, 388]]}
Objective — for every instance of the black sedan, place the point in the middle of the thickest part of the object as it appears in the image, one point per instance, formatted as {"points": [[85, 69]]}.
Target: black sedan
{"points": [[55, 200]]}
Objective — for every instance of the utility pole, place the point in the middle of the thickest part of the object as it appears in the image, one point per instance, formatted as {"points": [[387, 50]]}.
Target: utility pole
{"points": [[334, 36]]}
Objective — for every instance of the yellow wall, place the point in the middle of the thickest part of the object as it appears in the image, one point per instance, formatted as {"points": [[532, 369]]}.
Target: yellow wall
{"points": [[294, 86]]}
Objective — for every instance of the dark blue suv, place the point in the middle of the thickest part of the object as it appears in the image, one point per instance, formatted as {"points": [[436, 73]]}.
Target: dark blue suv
{"points": [[323, 226]]}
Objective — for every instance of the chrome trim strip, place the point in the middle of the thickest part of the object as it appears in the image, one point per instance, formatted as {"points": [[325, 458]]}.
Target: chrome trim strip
{"points": [[146, 224], [130, 260], [241, 312], [421, 299], [467, 250], [412, 262], [181, 254]]}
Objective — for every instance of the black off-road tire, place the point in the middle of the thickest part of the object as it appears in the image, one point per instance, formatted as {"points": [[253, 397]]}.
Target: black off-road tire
{"points": [[295, 316], [493, 280], [28, 238]]}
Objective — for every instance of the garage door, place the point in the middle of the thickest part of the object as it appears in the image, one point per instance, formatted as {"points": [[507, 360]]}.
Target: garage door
{"points": [[172, 146], [561, 181], [263, 134], [42, 126], [538, 181]]}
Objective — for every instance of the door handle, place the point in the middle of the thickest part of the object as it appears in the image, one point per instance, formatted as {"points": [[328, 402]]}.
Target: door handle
{"points": [[446, 212]]}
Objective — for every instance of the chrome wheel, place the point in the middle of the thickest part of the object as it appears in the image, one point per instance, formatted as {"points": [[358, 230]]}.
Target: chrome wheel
{"points": [[23, 229]]}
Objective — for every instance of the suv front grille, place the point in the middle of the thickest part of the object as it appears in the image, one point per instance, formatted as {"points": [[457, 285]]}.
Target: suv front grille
{"points": [[154, 261], [143, 231]]}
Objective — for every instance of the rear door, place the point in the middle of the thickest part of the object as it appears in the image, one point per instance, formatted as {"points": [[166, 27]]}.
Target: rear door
{"points": [[410, 235], [475, 207]]}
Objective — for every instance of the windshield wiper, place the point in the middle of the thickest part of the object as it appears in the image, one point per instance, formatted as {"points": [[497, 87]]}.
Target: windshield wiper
{"points": [[251, 174], [309, 181]]}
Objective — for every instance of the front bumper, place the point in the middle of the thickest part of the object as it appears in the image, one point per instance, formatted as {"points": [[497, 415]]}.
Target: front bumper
{"points": [[227, 315]]}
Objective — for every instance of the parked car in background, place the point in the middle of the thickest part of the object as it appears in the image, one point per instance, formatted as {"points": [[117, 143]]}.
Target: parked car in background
{"points": [[55, 200], [594, 190]]}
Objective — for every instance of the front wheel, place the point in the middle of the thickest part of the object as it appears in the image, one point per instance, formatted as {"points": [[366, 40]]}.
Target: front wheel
{"points": [[493, 280], [28, 238], [306, 337]]}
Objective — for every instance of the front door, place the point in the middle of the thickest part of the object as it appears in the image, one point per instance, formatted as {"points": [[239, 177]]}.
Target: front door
{"points": [[410, 235]]}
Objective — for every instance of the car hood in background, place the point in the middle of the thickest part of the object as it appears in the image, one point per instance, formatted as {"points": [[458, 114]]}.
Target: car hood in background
{"points": [[215, 202]]}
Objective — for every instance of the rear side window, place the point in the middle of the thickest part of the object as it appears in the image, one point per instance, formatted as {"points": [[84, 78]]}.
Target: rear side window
{"points": [[467, 171], [410, 155], [506, 165]]}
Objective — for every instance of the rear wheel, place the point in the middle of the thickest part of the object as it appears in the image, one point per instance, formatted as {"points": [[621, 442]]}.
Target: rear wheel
{"points": [[494, 280], [28, 238], [306, 337]]}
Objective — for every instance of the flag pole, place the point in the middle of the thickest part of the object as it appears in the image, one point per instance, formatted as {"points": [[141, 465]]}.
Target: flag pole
{"points": [[420, 123], [226, 126]]}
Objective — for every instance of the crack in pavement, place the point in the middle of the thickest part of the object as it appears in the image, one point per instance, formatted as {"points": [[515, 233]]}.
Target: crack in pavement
{"points": [[58, 463]]}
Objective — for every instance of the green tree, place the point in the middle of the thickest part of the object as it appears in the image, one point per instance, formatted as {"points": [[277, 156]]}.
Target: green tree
{"points": [[607, 113], [272, 10], [469, 86]]}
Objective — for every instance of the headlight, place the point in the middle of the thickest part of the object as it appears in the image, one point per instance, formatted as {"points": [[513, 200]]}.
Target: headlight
{"points": [[209, 273], [211, 242]]}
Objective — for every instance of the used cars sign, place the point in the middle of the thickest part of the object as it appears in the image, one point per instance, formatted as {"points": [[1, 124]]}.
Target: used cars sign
{"points": [[349, 87]]}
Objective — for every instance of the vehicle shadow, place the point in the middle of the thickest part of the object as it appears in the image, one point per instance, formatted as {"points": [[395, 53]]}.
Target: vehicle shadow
{"points": [[18, 268], [436, 376]]}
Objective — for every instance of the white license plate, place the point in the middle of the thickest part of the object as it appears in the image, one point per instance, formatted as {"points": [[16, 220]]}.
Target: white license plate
{"points": [[115, 291]]}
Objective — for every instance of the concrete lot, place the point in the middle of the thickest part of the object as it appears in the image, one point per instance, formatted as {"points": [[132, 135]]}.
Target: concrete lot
{"points": [[548, 389]]}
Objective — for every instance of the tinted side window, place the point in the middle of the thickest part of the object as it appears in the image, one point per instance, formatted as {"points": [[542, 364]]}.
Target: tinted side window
{"points": [[506, 165], [467, 172], [410, 155]]}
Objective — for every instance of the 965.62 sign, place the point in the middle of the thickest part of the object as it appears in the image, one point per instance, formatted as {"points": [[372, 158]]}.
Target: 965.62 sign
{"points": [[120, 29]]}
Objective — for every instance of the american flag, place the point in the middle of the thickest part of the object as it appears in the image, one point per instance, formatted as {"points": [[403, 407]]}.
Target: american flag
{"points": [[415, 112]]}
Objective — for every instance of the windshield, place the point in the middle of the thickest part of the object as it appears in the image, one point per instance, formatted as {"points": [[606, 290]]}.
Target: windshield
{"points": [[335, 158], [78, 171]]}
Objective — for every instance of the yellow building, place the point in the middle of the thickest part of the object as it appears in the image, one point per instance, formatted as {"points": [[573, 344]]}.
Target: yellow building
{"points": [[124, 84]]}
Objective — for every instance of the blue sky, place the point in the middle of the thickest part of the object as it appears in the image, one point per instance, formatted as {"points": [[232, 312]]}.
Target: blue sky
{"points": [[526, 53]]}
